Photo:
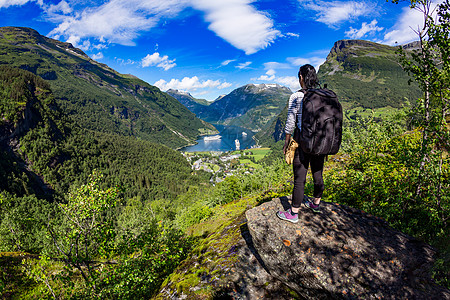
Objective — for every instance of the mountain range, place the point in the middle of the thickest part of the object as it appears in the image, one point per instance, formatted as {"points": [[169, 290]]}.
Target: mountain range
{"points": [[365, 75], [96, 96], [252, 106]]}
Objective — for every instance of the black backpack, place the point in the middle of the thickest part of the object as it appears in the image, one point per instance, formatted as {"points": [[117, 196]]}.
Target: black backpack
{"points": [[321, 131]]}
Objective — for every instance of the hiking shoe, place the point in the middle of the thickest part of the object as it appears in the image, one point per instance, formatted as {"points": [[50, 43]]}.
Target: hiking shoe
{"points": [[315, 208], [288, 216]]}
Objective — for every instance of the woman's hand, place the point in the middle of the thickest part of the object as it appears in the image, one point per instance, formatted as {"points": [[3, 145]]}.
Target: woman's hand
{"points": [[286, 143]]}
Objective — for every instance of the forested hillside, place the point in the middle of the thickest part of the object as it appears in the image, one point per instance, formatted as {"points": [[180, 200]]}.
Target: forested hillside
{"points": [[43, 151], [97, 97]]}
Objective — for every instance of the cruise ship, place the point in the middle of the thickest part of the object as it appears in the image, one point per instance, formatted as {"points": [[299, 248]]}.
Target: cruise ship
{"points": [[212, 138], [238, 145]]}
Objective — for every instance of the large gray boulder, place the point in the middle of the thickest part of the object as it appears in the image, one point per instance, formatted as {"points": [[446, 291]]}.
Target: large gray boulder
{"points": [[342, 253]]}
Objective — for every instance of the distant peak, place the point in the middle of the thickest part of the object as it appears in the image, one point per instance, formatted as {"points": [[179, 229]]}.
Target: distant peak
{"points": [[263, 86], [342, 44], [180, 92]]}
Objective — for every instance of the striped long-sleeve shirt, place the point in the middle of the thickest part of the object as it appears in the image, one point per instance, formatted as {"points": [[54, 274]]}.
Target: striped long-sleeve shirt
{"points": [[294, 109]]}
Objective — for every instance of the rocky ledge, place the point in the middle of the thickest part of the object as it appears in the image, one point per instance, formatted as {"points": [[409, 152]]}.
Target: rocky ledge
{"points": [[341, 253]]}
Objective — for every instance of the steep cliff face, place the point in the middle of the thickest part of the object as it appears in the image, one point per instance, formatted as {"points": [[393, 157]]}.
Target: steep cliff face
{"points": [[27, 103], [197, 106]]}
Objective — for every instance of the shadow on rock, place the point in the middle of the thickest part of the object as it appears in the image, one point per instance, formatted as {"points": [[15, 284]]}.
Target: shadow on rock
{"points": [[341, 253]]}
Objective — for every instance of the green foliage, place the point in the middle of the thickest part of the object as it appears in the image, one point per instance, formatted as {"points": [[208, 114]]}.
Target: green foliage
{"points": [[159, 251], [42, 270], [383, 180], [17, 87], [126, 249], [429, 66], [61, 153], [363, 133], [86, 235], [23, 223], [197, 205], [14, 284]]}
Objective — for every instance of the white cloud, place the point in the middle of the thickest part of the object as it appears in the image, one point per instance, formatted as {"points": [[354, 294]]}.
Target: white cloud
{"points": [[276, 65], [159, 61], [123, 62], [238, 23], [271, 72], [227, 62], [191, 84], [289, 81], [8, 3], [224, 85], [291, 34], [332, 13], [300, 61], [97, 56], [243, 65], [120, 21], [62, 7], [117, 21], [365, 29], [269, 76], [403, 31]]}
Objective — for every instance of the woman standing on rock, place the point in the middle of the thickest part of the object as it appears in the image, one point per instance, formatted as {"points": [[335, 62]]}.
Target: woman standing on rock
{"points": [[308, 79]]}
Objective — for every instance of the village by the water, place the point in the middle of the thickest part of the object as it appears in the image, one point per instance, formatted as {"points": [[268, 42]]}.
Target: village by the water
{"points": [[221, 164]]}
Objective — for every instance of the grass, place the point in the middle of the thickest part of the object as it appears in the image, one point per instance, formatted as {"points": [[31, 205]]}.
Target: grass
{"points": [[257, 153], [213, 167], [248, 162], [367, 112], [13, 282]]}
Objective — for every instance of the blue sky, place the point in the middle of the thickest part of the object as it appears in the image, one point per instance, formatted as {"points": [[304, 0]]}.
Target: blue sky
{"points": [[210, 47]]}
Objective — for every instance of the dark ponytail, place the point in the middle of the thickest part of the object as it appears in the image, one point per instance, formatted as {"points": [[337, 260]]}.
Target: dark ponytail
{"points": [[309, 76]]}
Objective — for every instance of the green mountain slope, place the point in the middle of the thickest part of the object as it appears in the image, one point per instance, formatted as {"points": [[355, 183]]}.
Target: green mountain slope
{"points": [[197, 106], [250, 106], [367, 78], [96, 96], [367, 74], [42, 152]]}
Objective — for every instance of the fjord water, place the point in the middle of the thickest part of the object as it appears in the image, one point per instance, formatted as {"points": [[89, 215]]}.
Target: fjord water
{"points": [[227, 142]]}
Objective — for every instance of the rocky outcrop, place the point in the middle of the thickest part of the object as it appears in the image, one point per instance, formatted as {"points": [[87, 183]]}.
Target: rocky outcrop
{"points": [[343, 44], [9, 130], [342, 253]]}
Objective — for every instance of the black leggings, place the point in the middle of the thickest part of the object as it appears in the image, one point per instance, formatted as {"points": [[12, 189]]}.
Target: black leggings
{"points": [[301, 163]]}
